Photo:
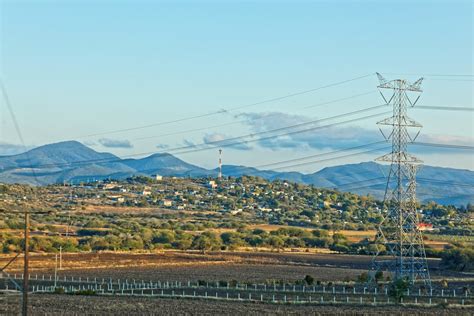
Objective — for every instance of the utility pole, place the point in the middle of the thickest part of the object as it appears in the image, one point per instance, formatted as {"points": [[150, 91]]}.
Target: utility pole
{"points": [[61, 247], [26, 272], [56, 271], [399, 231]]}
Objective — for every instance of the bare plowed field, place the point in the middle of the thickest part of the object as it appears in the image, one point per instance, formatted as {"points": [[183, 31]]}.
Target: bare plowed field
{"points": [[90, 305], [179, 266]]}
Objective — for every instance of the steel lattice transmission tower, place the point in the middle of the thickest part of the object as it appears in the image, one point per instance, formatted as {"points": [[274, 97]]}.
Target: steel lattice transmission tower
{"points": [[399, 231]]}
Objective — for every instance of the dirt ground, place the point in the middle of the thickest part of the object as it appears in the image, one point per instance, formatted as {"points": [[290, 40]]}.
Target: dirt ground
{"points": [[193, 266], [179, 266], [91, 305]]}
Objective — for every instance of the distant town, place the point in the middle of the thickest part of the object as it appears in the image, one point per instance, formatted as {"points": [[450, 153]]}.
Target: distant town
{"points": [[170, 212]]}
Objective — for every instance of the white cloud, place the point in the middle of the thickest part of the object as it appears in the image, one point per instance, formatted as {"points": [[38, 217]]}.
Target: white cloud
{"points": [[115, 143]]}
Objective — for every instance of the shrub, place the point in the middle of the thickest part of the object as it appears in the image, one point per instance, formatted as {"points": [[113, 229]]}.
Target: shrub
{"points": [[398, 289], [363, 277], [85, 292], [309, 279], [378, 276]]}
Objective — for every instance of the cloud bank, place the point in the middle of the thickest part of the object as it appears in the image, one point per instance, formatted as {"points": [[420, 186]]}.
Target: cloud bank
{"points": [[318, 137]]}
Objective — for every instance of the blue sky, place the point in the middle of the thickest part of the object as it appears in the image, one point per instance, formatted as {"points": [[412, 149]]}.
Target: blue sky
{"points": [[77, 68]]}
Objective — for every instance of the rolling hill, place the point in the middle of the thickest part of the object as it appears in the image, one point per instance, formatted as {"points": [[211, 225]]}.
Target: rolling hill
{"points": [[73, 161]]}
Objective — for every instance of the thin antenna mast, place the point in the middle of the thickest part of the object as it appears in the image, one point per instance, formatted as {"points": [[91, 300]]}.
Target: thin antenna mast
{"points": [[220, 164]]}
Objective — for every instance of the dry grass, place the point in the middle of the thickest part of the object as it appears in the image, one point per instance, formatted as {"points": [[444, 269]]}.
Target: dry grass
{"points": [[170, 265]]}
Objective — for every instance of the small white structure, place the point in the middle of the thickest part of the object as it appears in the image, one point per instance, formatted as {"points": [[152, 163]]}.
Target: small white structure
{"points": [[212, 184], [167, 203]]}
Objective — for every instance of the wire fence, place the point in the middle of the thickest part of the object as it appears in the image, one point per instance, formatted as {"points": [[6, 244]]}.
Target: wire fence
{"points": [[223, 290]]}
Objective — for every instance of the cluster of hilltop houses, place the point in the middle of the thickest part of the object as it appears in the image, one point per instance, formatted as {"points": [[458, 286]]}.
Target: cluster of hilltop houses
{"points": [[270, 200]]}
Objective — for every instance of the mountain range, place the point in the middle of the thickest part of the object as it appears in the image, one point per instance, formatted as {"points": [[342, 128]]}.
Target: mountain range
{"points": [[73, 161]]}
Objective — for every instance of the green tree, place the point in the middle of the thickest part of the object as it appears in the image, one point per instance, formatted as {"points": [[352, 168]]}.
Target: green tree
{"points": [[398, 288], [206, 241], [309, 280], [275, 242]]}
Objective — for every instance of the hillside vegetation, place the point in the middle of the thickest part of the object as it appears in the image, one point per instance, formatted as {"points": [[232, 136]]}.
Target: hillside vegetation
{"points": [[205, 214]]}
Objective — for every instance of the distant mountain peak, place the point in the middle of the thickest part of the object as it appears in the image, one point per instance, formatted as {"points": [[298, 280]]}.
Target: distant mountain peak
{"points": [[68, 144]]}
